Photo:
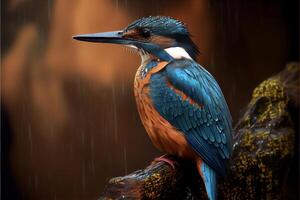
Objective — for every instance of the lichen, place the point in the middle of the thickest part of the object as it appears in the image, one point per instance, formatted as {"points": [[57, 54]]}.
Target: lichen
{"points": [[264, 145], [151, 186], [273, 90], [157, 184], [269, 102]]}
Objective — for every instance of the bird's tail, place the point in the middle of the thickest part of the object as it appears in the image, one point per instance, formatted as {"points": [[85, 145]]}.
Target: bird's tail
{"points": [[209, 178]]}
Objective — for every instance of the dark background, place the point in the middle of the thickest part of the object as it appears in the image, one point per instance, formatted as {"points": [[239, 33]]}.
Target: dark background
{"points": [[68, 116]]}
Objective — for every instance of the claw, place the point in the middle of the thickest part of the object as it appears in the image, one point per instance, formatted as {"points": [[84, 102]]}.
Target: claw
{"points": [[166, 159]]}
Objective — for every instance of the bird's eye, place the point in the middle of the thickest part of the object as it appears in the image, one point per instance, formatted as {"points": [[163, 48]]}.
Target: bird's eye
{"points": [[145, 32]]}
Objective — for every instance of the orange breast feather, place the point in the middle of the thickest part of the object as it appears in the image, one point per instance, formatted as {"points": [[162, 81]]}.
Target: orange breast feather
{"points": [[162, 134]]}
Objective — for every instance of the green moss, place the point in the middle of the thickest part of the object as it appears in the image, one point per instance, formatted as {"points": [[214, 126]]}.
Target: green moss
{"points": [[269, 102], [265, 143], [276, 99]]}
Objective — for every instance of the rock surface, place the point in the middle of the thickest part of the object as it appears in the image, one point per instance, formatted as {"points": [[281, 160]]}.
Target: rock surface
{"points": [[264, 162]]}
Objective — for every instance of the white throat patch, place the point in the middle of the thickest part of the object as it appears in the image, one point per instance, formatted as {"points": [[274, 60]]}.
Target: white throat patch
{"points": [[178, 53], [175, 52]]}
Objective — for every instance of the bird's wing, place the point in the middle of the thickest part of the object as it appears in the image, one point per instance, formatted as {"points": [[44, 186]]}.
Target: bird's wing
{"points": [[189, 98]]}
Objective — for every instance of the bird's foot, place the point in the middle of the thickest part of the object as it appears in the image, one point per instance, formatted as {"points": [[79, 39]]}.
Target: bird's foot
{"points": [[167, 159]]}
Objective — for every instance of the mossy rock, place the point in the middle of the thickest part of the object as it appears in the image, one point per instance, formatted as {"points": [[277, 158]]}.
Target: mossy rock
{"points": [[264, 163]]}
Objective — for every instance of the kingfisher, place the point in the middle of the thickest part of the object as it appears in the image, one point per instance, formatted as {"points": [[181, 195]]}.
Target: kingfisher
{"points": [[179, 102]]}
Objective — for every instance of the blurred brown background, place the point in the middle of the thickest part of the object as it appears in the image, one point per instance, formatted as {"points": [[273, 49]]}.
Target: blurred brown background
{"points": [[69, 120]]}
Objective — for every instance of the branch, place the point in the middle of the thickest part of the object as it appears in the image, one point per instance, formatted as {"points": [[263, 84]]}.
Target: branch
{"points": [[262, 163]]}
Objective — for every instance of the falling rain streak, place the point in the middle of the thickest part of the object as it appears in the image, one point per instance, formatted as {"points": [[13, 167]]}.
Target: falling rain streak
{"points": [[115, 116], [125, 159], [71, 121], [30, 139]]}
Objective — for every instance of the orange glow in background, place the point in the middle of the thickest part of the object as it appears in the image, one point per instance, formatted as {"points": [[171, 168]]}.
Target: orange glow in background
{"points": [[71, 119]]}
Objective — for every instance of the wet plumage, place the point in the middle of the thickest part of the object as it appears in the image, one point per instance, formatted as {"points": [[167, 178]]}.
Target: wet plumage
{"points": [[180, 103]]}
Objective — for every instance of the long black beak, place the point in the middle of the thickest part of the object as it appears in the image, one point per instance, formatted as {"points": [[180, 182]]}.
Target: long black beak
{"points": [[115, 37]]}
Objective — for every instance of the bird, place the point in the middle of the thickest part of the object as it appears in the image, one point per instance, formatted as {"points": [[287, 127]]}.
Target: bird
{"points": [[181, 105]]}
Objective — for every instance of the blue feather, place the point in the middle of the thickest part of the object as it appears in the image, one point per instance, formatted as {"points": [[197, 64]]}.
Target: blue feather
{"points": [[210, 181], [207, 128]]}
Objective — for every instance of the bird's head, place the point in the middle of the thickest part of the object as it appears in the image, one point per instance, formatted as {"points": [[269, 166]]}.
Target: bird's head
{"points": [[163, 37]]}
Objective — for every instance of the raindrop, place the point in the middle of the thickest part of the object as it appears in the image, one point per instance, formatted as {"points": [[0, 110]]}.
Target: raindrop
{"points": [[29, 181], [117, 4], [125, 159], [123, 87], [49, 8], [36, 182], [92, 156], [115, 113], [71, 148], [83, 176], [82, 136], [30, 138]]}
